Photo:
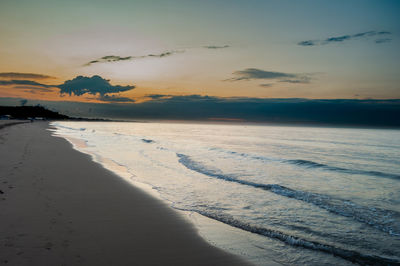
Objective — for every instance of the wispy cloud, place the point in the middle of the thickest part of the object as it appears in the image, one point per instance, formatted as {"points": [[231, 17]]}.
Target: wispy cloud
{"points": [[383, 40], [17, 75], [266, 85], [110, 58], [92, 85], [158, 96], [116, 58], [35, 90], [30, 86], [255, 74], [303, 79], [216, 46], [115, 99], [343, 38], [23, 82]]}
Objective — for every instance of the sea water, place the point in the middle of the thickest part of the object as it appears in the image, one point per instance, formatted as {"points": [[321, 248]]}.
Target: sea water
{"points": [[289, 194]]}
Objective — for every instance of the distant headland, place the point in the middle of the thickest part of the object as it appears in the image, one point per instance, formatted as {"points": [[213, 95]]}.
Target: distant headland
{"points": [[36, 113]]}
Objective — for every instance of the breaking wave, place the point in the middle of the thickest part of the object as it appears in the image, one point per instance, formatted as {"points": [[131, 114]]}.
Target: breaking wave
{"points": [[314, 165], [311, 164], [380, 219], [350, 255]]}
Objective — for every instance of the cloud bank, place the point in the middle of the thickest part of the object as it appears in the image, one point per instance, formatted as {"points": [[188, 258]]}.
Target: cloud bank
{"points": [[116, 58], [92, 85], [254, 74], [343, 38], [17, 75], [346, 112]]}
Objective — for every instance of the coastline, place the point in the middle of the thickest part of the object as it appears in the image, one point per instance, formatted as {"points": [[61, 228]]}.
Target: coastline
{"points": [[61, 208]]}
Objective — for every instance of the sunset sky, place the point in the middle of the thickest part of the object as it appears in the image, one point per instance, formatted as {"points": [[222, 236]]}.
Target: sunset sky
{"points": [[129, 51]]}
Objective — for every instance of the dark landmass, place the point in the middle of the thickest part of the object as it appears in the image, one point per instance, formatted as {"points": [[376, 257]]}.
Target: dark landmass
{"points": [[30, 112], [37, 113]]}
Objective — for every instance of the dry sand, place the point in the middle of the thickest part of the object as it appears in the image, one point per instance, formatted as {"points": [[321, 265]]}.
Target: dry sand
{"points": [[58, 207]]}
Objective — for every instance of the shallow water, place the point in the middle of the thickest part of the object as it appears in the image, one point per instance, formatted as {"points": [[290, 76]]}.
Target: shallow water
{"points": [[308, 195]]}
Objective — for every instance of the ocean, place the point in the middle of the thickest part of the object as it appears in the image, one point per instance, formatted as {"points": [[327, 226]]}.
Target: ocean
{"points": [[287, 194]]}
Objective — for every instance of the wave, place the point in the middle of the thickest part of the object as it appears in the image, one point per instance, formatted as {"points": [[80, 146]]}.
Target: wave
{"points": [[381, 219], [65, 127], [315, 165], [311, 164], [349, 255], [343, 143]]}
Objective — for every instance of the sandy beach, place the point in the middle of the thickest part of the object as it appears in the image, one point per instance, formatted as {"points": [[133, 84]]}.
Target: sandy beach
{"points": [[58, 207]]}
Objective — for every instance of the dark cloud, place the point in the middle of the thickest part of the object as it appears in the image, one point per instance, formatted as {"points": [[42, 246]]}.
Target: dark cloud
{"points": [[216, 46], [23, 82], [304, 79], [369, 33], [254, 73], [92, 62], [157, 96], [92, 85], [109, 58], [307, 43], [345, 112], [339, 39], [345, 38], [165, 54], [266, 85], [116, 99], [16, 75], [77, 86], [292, 111], [383, 40], [116, 58]]}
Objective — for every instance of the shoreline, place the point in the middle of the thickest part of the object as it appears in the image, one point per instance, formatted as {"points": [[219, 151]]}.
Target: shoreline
{"points": [[61, 208], [216, 233]]}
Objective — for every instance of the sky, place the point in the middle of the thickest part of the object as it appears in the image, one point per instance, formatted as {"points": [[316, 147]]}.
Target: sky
{"points": [[129, 52]]}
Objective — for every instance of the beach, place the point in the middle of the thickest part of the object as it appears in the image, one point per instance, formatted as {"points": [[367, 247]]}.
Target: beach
{"points": [[291, 195], [58, 207]]}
